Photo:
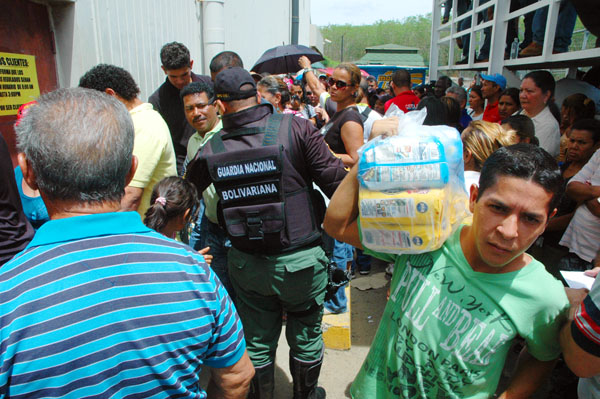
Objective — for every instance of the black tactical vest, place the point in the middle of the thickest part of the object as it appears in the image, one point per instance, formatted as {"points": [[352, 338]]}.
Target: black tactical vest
{"points": [[266, 206]]}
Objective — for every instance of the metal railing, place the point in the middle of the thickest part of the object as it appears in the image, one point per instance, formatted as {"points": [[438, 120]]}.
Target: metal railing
{"points": [[447, 33]]}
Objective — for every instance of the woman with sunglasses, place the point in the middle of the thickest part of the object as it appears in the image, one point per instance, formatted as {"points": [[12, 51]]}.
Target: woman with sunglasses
{"points": [[344, 131]]}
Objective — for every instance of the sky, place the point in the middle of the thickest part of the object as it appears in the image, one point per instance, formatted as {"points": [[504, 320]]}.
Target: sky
{"points": [[365, 12]]}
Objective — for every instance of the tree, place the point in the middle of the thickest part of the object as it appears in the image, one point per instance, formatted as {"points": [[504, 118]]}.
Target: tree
{"points": [[411, 31]]}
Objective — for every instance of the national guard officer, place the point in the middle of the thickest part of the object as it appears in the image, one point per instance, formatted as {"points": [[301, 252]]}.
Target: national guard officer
{"points": [[263, 166]]}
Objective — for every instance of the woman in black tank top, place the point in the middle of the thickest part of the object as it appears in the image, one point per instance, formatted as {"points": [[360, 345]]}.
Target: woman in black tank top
{"points": [[344, 132]]}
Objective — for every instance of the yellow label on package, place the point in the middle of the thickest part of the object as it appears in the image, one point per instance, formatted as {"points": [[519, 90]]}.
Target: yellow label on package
{"points": [[394, 238], [421, 207]]}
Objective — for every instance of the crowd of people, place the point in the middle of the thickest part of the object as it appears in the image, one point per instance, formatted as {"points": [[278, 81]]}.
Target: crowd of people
{"points": [[143, 240], [534, 24]]}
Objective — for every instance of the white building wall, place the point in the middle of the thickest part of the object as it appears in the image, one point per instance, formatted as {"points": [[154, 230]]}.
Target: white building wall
{"points": [[253, 26], [126, 33], [130, 33]]}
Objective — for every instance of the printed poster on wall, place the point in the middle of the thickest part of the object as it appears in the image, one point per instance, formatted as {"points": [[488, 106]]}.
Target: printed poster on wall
{"points": [[18, 82]]}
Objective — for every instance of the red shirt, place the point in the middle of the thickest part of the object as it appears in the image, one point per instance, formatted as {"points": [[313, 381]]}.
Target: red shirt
{"points": [[491, 114], [406, 101]]}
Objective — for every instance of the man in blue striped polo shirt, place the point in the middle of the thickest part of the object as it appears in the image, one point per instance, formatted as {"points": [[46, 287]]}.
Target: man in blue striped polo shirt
{"points": [[98, 305]]}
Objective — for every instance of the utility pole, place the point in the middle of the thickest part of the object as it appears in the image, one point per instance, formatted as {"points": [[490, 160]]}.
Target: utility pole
{"points": [[342, 55]]}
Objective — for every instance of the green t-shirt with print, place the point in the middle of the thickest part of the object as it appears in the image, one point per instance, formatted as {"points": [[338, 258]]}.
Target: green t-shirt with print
{"points": [[446, 329]]}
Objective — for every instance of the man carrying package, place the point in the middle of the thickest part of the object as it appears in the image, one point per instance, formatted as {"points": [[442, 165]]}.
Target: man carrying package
{"points": [[454, 312]]}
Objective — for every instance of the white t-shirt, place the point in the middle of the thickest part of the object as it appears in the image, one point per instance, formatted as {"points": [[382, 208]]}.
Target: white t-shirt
{"points": [[471, 112], [547, 131], [368, 123], [582, 236]]}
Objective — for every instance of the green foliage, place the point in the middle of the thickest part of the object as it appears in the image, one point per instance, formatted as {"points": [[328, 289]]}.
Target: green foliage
{"points": [[328, 62], [412, 31]]}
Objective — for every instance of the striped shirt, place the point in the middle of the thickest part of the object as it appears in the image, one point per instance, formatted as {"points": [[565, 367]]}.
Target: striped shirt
{"points": [[101, 306], [585, 330]]}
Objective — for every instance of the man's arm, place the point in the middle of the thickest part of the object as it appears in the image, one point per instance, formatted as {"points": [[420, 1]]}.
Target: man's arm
{"points": [[325, 169], [529, 375], [132, 198], [197, 173], [593, 206], [584, 186], [581, 192], [233, 381], [579, 337], [582, 363], [559, 223], [312, 80], [342, 213]]}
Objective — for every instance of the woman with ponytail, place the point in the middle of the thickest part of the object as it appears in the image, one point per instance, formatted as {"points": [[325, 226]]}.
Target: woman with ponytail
{"points": [[172, 204], [480, 139]]}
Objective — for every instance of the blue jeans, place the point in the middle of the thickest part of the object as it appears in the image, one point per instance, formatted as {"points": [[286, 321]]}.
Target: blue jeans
{"points": [[362, 261], [342, 254], [214, 236], [195, 235], [466, 39], [567, 16]]}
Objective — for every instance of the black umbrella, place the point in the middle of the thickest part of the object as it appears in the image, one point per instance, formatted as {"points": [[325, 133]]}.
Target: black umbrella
{"points": [[284, 59]]}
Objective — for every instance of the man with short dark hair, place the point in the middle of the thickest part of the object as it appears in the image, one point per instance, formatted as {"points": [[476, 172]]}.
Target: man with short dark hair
{"points": [[453, 313], [199, 103], [372, 82], [152, 145], [441, 85], [225, 59], [404, 98], [99, 305], [177, 65], [491, 87], [263, 166]]}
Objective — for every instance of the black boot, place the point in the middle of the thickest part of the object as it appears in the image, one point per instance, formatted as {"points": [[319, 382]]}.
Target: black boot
{"points": [[263, 383], [305, 376]]}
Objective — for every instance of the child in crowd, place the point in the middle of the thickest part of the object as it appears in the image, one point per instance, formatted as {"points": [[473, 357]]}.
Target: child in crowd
{"points": [[172, 205]]}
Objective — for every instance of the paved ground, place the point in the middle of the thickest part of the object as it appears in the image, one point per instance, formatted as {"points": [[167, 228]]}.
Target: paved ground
{"points": [[340, 367]]}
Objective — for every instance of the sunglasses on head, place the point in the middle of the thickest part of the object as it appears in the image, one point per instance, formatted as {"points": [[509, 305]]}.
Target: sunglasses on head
{"points": [[340, 84]]}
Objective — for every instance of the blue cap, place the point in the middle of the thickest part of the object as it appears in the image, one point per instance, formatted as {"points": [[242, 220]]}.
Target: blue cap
{"points": [[496, 78]]}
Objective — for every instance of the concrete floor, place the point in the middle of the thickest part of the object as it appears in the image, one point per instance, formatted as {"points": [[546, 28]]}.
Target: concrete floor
{"points": [[339, 367]]}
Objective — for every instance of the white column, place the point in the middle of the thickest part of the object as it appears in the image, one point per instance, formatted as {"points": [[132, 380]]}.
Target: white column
{"points": [[213, 28]]}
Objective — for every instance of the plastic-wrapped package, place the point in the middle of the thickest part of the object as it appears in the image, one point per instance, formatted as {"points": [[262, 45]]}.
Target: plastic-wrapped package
{"points": [[412, 162], [411, 187]]}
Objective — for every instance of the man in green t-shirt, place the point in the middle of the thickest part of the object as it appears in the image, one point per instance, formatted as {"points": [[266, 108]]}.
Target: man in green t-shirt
{"points": [[454, 312]]}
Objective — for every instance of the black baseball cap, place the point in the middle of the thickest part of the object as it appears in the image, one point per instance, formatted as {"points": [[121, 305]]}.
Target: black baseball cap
{"points": [[229, 83]]}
